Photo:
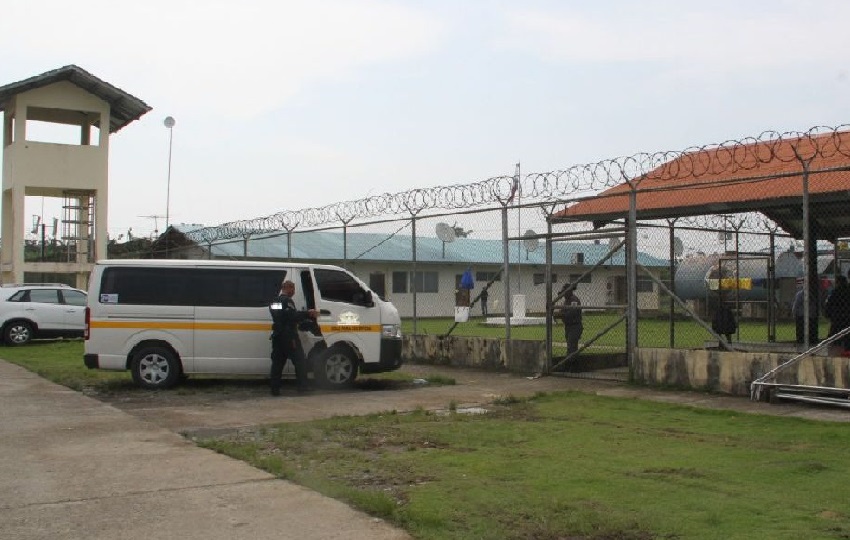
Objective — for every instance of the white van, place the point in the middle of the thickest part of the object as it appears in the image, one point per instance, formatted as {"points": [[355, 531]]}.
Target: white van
{"points": [[163, 319]]}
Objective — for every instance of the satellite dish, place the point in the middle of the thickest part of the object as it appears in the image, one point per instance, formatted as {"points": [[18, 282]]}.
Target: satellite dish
{"points": [[678, 246], [445, 232], [530, 244]]}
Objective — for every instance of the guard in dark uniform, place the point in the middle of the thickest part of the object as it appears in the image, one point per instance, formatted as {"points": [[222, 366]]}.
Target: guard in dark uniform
{"points": [[285, 340], [571, 317]]}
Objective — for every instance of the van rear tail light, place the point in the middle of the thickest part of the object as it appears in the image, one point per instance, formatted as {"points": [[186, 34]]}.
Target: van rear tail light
{"points": [[86, 332]]}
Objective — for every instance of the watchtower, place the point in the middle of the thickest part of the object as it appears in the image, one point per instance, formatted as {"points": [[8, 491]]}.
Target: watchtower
{"points": [[76, 173]]}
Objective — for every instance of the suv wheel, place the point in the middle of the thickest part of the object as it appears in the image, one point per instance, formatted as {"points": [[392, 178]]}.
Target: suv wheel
{"points": [[17, 333]]}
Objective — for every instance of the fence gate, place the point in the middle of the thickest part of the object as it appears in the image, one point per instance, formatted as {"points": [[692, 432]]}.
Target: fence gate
{"points": [[600, 350]]}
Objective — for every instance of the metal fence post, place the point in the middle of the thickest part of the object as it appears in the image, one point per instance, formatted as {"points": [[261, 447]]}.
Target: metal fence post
{"points": [[811, 286], [413, 273], [506, 255], [631, 279], [771, 289], [549, 306], [671, 224]]}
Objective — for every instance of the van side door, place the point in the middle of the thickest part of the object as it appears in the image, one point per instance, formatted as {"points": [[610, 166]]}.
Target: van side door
{"points": [[44, 307], [232, 319]]}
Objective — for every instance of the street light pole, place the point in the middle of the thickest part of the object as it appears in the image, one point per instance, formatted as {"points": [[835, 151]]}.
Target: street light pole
{"points": [[169, 123]]}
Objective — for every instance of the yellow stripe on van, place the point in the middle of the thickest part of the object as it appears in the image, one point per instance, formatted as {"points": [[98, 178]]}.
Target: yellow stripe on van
{"points": [[253, 327], [179, 325]]}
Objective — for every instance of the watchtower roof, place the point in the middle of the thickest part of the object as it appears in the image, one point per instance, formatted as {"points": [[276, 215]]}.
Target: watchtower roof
{"points": [[124, 107]]}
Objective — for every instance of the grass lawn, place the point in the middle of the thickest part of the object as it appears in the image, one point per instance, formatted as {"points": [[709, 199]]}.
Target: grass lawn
{"points": [[652, 332], [61, 362], [571, 466]]}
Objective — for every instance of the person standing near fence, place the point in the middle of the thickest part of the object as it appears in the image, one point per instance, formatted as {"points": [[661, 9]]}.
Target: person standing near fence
{"points": [[571, 316], [483, 299], [724, 321], [837, 309]]}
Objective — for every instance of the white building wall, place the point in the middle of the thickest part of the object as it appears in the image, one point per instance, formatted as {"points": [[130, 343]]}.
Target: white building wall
{"points": [[441, 304]]}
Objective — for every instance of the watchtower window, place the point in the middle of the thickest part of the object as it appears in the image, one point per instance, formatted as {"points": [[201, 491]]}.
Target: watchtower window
{"points": [[61, 126]]}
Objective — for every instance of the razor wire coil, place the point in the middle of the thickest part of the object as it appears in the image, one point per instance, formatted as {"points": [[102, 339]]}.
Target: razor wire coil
{"points": [[730, 157]]}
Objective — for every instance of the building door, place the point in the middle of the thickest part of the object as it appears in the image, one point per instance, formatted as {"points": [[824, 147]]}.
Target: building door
{"points": [[378, 284], [620, 290]]}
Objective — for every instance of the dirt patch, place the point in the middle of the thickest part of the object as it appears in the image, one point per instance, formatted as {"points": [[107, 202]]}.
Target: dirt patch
{"points": [[208, 391]]}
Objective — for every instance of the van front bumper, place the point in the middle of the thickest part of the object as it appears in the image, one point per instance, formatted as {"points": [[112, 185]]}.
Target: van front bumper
{"points": [[390, 359]]}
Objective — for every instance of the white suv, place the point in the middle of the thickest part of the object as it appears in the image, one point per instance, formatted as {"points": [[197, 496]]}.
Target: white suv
{"points": [[41, 310]]}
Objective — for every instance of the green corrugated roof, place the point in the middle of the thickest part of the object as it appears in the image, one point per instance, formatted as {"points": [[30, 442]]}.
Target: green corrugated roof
{"points": [[330, 246]]}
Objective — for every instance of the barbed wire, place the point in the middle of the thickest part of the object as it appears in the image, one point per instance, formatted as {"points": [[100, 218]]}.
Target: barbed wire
{"points": [[731, 157]]}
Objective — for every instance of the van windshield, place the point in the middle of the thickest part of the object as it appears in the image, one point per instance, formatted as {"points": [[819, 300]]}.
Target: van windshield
{"points": [[339, 286]]}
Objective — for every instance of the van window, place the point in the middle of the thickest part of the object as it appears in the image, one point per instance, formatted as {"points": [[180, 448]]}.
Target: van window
{"points": [[149, 286], [242, 288], [338, 286], [191, 286]]}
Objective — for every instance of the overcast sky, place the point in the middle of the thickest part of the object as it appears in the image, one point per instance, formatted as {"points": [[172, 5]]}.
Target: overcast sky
{"points": [[282, 105]]}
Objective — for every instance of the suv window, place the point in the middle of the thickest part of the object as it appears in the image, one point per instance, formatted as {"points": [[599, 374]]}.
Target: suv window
{"points": [[44, 296], [20, 296], [74, 298]]}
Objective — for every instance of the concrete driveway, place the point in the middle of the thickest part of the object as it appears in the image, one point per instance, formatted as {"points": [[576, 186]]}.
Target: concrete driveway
{"points": [[73, 467]]}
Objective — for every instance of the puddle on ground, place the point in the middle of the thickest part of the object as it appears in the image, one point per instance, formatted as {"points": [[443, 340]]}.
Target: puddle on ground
{"points": [[463, 410]]}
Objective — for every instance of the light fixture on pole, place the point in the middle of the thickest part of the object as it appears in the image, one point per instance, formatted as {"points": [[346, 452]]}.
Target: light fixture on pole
{"points": [[169, 123]]}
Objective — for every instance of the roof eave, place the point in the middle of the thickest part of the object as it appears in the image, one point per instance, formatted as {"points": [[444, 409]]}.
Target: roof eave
{"points": [[124, 107]]}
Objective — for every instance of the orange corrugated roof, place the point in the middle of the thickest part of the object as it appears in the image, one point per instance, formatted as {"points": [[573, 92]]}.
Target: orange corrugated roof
{"points": [[743, 178]]}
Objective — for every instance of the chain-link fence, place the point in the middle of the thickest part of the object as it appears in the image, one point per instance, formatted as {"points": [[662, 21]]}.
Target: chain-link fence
{"points": [[701, 248]]}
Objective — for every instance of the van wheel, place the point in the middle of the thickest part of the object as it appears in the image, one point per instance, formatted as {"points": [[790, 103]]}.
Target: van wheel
{"points": [[17, 333], [335, 368], [155, 368]]}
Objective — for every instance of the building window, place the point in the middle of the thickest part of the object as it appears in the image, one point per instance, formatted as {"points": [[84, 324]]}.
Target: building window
{"points": [[575, 278], [540, 278], [399, 282], [426, 282], [488, 276], [645, 284]]}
